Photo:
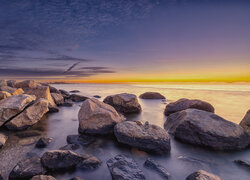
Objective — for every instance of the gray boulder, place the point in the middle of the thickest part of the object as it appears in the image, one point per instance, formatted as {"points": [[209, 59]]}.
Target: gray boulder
{"points": [[245, 123], [206, 129], [122, 167], [151, 95], [151, 164], [13, 105], [43, 177], [146, 137], [183, 104], [3, 139], [124, 103], [202, 175], [26, 169], [96, 117], [58, 98], [29, 116]]}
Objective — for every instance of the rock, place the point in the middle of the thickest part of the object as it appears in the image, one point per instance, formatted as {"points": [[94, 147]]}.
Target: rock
{"points": [[43, 92], [30, 133], [11, 83], [77, 98], [26, 169], [58, 98], [29, 116], [74, 91], [149, 163], [151, 95], [76, 178], [124, 103], [13, 105], [183, 104], [3, 83], [202, 175], [96, 117], [12, 91], [54, 90], [122, 167], [43, 142], [60, 159], [3, 139], [27, 141], [206, 129], [4, 94], [27, 84], [43, 177], [150, 138], [244, 163], [82, 139], [245, 123], [67, 104], [64, 93], [1, 177], [97, 96], [71, 147], [89, 162]]}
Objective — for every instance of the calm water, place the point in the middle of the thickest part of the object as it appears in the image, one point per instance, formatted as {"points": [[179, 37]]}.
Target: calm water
{"points": [[231, 102]]}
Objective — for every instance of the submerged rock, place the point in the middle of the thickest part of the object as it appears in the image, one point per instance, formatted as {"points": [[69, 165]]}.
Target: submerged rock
{"points": [[1, 177], [26, 169], [82, 139], [202, 175], [245, 123], [183, 104], [146, 137], [244, 163], [43, 177], [43, 142], [96, 117], [13, 105], [149, 163], [29, 116], [97, 96], [124, 103], [71, 147], [152, 95], [58, 98], [77, 98], [3, 139], [122, 167], [4, 94], [206, 129]]}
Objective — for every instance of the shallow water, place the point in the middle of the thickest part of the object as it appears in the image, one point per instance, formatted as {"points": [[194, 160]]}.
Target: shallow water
{"points": [[184, 159]]}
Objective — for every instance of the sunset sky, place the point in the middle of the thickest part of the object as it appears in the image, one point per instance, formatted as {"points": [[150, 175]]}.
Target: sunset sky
{"points": [[125, 41]]}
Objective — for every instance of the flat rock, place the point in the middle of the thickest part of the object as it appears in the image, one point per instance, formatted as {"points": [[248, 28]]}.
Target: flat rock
{"points": [[4, 94], [29, 116], [13, 105], [183, 104], [3, 139], [122, 167], [206, 129], [27, 84], [43, 142], [77, 98], [151, 164], [245, 123], [152, 95], [29, 133], [244, 163], [124, 103], [26, 169], [43, 177], [58, 98], [146, 137], [96, 117], [202, 175]]}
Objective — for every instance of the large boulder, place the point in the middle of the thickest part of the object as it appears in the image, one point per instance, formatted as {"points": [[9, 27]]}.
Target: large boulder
{"points": [[28, 168], [202, 175], [96, 117], [4, 94], [245, 123], [3, 139], [29, 116], [13, 105], [27, 84], [11, 90], [124, 103], [58, 98], [183, 104], [206, 129], [122, 167], [43, 177], [146, 137], [43, 92], [151, 95]]}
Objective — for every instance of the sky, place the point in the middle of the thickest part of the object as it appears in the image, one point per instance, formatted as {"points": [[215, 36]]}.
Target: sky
{"points": [[125, 40]]}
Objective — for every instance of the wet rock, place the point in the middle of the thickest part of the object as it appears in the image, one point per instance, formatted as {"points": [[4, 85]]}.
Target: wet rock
{"points": [[89, 162], [68, 104], [206, 129], [71, 147], [13, 105], [77, 98], [27, 84], [58, 98], [25, 134], [151, 95], [151, 164], [76, 178], [3, 139], [74, 91], [245, 123], [122, 167], [29, 116], [11, 83], [43, 177], [4, 94], [26, 169], [97, 96], [202, 175], [244, 163], [3, 83], [83, 140], [124, 103], [146, 137], [183, 104], [43, 142], [43, 92], [28, 141], [64, 93], [96, 117]]}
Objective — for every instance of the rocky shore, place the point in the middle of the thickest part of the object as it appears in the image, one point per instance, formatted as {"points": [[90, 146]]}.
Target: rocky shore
{"points": [[23, 104]]}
